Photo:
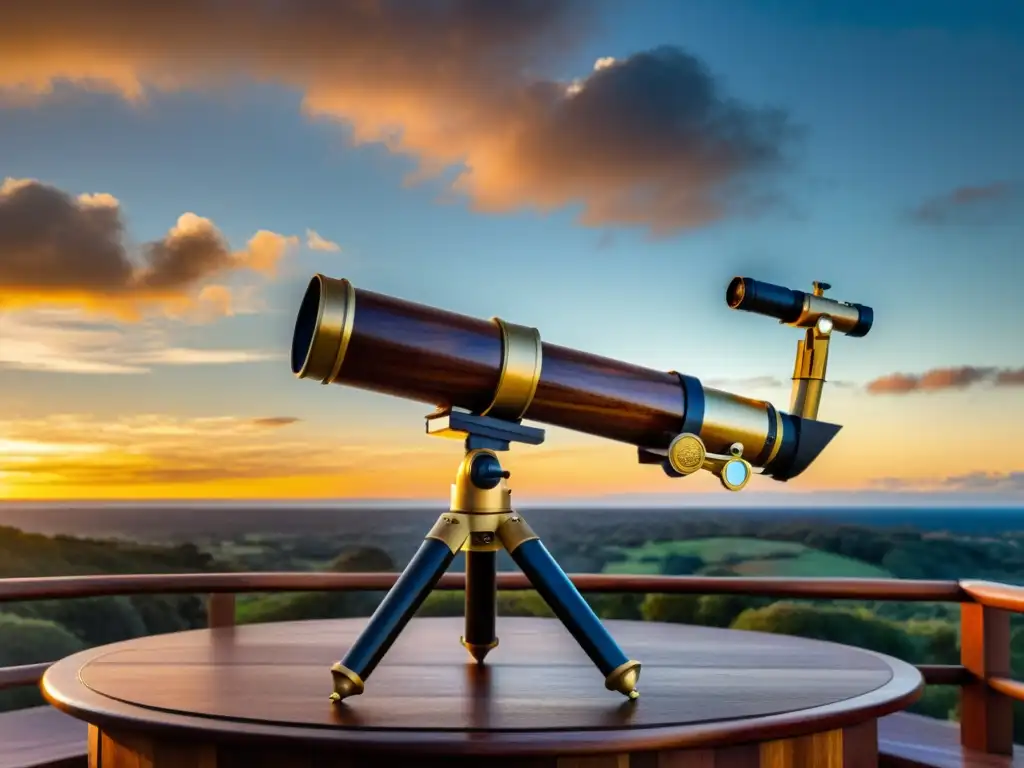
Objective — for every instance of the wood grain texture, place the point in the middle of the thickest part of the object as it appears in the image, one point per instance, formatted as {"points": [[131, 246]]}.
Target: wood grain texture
{"points": [[220, 610], [23, 674], [1009, 597], [421, 353], [608, 398], [537, 694], [860, 745], [913, 741], [822, 750], [986, 715], [41, 736]]}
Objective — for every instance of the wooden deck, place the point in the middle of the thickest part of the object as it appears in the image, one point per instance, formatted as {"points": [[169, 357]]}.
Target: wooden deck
{"points": [[915, 741], [41, 736]]}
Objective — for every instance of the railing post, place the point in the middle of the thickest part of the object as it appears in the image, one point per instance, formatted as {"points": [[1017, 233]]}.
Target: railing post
{"points": [[986, 716], [220, 610]]}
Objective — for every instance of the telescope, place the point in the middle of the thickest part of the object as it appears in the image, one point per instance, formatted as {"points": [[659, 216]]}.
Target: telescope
{"points": [[486, 377]]}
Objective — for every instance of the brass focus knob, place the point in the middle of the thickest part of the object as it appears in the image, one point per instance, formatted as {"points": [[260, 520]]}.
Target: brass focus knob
{"points": [[686, 453]]}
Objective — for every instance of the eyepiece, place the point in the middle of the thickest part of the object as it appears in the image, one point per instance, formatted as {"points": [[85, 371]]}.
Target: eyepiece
{"points": [[798, 308], [735, 293], [775, 301]]}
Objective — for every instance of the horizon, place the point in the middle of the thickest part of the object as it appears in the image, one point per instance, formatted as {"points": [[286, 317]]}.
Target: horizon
{"points": [[595, 170], [863, 500]]}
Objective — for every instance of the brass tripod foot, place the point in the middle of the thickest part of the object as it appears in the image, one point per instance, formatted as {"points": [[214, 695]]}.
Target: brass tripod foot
{"points": [[346, 682], [624, 679], [478, 652]]}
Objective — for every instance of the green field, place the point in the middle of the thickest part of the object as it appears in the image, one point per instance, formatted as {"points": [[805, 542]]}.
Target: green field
{"points": [[757, 557]]}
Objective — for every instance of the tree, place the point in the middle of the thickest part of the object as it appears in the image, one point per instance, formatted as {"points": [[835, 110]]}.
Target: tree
{"points": [[617, 606], [678, 609], [31, 641], [938, 641], [95, 620], [681, 565], [363, 560], [453, 603], [722, 610], [858, 628]]}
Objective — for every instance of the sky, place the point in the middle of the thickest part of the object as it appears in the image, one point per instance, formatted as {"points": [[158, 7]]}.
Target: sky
{"points": [[172, 175]]}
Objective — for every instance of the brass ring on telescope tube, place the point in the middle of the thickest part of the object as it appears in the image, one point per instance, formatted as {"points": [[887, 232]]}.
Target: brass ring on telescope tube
{"points": [[336, 309], [778, 439], [520, 371], [348, 312]]}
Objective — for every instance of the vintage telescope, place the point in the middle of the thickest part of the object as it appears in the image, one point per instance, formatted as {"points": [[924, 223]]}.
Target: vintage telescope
{"points": [[486, 377], [492, 367]]}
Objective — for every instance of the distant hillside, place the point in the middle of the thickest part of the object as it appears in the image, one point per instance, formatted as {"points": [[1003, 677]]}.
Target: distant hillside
{"points": [[33, 632], [195, 521], [726, 556]]}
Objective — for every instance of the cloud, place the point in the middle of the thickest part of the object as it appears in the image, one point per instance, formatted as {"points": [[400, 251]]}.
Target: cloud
{"points": [[56, 248], [79, 450], [763, 382], [317, 243], [987, 481], [939, 379], [649, 140], [748, 382], [984, 482], [275, 421], [59, 341], [1010, 378], [966, 205]]}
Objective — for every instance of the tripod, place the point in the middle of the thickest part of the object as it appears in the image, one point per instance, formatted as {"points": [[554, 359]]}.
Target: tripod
{"points": [[481, 521]]}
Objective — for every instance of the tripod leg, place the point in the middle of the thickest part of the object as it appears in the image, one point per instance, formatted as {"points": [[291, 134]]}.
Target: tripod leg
{"points": [[427, 566], [547, 577], [481, 600]]}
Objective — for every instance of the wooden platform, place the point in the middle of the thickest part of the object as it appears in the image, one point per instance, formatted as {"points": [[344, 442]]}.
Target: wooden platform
{"points": [[41, 736], [915, 741], [259, 693]]}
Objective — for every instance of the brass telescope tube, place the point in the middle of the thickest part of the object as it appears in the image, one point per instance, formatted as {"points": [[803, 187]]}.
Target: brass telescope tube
{"points": [[371, 341]]}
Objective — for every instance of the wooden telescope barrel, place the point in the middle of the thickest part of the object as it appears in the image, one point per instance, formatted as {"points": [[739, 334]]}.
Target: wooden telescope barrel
{"points": [[372, 341]]}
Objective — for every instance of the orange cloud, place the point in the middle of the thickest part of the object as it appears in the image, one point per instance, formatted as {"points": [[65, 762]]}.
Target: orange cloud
{"points": [[277, 456], [649, 140], [939, 379], [59, 341], [152, 449], [59, 249]]}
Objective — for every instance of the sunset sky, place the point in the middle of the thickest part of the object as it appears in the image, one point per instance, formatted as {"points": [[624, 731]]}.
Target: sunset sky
{"points": [[597, 169]]}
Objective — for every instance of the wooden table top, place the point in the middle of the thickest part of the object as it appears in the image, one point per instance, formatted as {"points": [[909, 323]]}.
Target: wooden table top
{"points": [[537, 693]]}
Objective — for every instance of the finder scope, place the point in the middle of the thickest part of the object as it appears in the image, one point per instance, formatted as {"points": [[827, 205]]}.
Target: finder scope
{"points": [[796, 308], [501, 370]]}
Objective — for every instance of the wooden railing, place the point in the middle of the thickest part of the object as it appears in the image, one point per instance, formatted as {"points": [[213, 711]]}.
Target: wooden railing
{"points": [[987, 688]]}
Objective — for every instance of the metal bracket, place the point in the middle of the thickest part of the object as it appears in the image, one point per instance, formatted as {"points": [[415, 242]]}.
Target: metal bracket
{"points": [[480, 431]]}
